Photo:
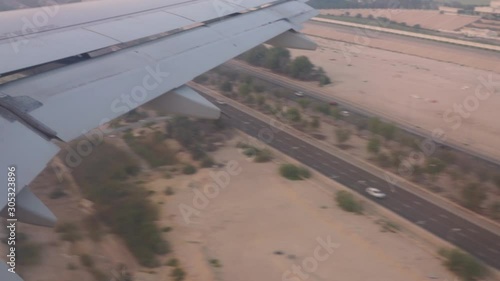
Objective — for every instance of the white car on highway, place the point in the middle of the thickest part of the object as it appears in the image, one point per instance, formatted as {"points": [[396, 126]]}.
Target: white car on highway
{"points": [[299, 94], [375, 192]]}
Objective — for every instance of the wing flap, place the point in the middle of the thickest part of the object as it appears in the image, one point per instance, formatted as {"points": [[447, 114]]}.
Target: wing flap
{"points": [[185, 101], [114, 84]]}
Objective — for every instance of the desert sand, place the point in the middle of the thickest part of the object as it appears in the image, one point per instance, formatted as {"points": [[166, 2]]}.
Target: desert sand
{"points": [[430, 19], [415, 90], [259, 213]]}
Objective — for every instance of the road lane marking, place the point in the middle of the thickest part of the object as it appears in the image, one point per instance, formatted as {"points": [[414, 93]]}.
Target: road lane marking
{"points": [[494, 251], [417, 203], [352, 171], [406, 205], [471, 230], [433, 219], [443, 216]]}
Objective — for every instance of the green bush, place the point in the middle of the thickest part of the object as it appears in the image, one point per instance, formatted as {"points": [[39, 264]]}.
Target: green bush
{"points": [[293, 172], [169, 191], [347, 202], [86, 260], [68, 232], [473, 196], [463, 265], [122, 206], [373, 145], [207, 162], [173, 262], [189, 169], [178, 274], [215, 263]]}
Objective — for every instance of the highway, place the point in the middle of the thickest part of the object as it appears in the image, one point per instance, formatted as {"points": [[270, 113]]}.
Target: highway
{"points": [[318, 96], [480, 242]]}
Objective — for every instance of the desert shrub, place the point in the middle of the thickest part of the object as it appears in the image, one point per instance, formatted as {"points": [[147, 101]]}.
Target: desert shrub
{"points": [[347, 202], [189, 169], [293, 172], [463, 265]]}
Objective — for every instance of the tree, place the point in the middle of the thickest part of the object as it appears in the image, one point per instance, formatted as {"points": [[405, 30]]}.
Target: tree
{"points": [[374, 145], [473, 196], [226, 86], [293, 114], [374, 125], [256, 56], [342, 135], [387, 130], [244, 89], [324, 80], [301, 68], [277, 59]]}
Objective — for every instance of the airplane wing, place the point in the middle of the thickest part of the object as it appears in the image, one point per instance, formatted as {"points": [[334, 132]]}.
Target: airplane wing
{"points": [[85, 64]]}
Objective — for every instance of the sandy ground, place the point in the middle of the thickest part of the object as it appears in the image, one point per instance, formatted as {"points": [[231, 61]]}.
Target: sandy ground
{"points": [[259, 213], [416, 90], [430, 19], [437, 51]]}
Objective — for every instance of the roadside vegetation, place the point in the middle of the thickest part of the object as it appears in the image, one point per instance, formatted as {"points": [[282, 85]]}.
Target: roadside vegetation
{"points": [[347, 202], [279, 60], [258, 155], [462, 178], [463, 265], [120, 204], [293, 172]]}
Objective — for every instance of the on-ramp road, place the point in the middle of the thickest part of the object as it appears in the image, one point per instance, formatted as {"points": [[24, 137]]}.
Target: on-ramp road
{"points": [[482, 243]]}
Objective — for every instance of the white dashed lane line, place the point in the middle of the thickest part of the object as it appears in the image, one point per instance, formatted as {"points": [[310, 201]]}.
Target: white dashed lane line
{"points": [[406, 205], [471, 230], [417, 203], [433, 219], [443, 216]]}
